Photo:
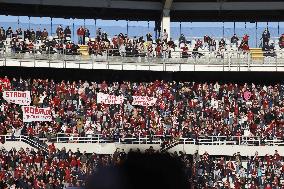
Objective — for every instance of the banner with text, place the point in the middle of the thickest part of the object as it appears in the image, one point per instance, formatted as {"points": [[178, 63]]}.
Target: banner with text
{"points": [[109, 99], [32, 113], [144, 101], [18, 97]]}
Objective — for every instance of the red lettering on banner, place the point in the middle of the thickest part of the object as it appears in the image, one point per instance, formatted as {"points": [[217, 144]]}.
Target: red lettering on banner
{"points": [[36, 114], [41, 111], [26, 109]]}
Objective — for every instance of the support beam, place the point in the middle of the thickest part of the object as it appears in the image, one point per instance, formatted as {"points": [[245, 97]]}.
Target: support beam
{"points": [[166, 18], [168, 4]]}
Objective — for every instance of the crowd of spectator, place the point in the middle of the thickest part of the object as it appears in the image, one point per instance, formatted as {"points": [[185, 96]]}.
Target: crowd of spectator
{"points": [[238, 172], [182, 109], [57, 169], [62, 168], [123, 45], [39, 41]]}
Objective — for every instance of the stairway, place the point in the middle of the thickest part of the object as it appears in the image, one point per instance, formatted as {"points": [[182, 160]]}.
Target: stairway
{"points": [[33, 142], [256, 53], [83, 50], [170, 145]]}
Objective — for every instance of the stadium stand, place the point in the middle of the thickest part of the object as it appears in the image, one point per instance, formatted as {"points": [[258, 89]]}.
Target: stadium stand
{"points": [[157, 111], [59, 127], [19, 41], [62, 168]]}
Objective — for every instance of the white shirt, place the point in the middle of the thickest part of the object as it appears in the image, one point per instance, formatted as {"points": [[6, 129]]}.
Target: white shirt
{"points": [[165, 35], [41, 98]]}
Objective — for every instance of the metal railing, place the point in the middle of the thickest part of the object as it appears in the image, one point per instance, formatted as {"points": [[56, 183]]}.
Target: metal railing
{"points": [[107, 60], [158, 139], [33, 142]]}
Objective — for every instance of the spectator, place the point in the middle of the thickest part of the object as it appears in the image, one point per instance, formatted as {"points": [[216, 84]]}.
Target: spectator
{"points": [[222, 44], [268, 49], [235, 40], [80, 33], [32, 35], [27, 35], [2, 34], [245, 39], [99, 33], [149, 37], [38, 34], [212, 45], [67, 32], [9, 33], [59, 32], [281, 41], [19, 33], [182, 39], [199, 44], [265, 36], [165, 36], [44, 34], [86, 34], [244, 45]]}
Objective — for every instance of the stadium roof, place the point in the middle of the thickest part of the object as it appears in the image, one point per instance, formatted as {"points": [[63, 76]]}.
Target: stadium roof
{"points": [[181, 10]]}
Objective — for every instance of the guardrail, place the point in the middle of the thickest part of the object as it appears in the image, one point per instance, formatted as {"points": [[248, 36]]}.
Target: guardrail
{"points": [[158, 139], [223, 59]]}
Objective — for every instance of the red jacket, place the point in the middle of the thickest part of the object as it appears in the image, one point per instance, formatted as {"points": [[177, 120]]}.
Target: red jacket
{"points": [[80, 31]]}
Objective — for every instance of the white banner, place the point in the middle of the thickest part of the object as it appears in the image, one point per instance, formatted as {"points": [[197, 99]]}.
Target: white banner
{"points": [[18, 97], [31, 113], [144, 101], [109, 99]]}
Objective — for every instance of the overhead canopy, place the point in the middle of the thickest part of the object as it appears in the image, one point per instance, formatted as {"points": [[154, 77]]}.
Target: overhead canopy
{"points": [[180, 10]]}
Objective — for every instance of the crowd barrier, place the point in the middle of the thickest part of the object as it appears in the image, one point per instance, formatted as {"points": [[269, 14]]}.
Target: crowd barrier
{"points": [[214, 145], [155, 139]]}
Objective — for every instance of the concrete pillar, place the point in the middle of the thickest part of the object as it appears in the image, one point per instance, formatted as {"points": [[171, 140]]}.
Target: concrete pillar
{"points": [[166, 22]]}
